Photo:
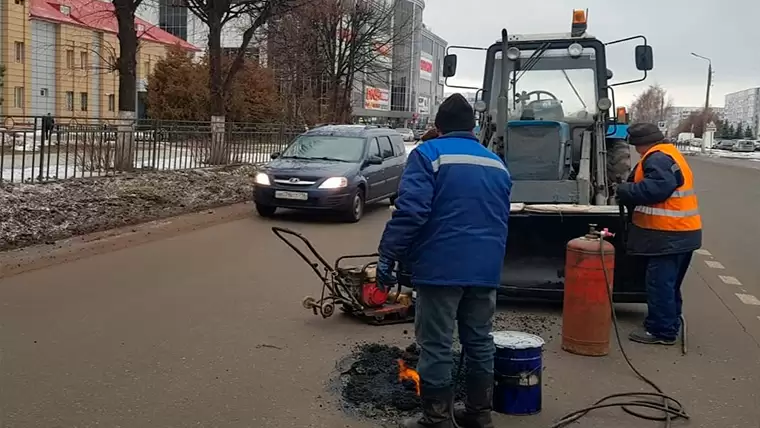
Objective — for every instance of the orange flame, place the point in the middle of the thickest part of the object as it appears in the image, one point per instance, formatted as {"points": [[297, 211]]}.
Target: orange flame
{"points": [[405, 373]]}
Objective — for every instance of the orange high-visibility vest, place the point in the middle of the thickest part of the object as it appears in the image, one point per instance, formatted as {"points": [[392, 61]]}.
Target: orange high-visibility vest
{"points": [[678, 213]]}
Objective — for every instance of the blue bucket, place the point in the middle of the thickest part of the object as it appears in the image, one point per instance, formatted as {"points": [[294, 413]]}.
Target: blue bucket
{"points": [[517, 373]]}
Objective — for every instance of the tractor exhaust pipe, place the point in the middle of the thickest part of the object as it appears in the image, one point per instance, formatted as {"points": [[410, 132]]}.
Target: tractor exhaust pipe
{"points": [[502, 106]]}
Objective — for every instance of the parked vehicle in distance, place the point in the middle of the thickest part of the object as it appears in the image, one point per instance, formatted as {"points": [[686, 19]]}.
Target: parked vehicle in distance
{"points": [[724, 144], [757, 145], [418, 133], [743, 146], [406, 133], [337, 168]]}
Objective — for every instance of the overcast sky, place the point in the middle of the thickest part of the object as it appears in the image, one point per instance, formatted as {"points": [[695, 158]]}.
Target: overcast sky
{"points": [[725, 31]]}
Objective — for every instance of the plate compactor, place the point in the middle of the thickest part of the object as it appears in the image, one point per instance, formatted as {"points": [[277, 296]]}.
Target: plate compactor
{"points": [[353, 288]]}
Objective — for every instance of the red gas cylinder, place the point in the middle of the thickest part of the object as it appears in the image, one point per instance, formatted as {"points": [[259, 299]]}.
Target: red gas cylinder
{"points": [[586, 312]]}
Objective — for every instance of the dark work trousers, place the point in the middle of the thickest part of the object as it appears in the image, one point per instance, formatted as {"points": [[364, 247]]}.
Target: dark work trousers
{"points": [[438, 310], [664, 277]]}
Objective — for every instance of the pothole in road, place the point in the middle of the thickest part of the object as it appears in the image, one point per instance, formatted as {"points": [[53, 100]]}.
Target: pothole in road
{"points": [[368, 381]]}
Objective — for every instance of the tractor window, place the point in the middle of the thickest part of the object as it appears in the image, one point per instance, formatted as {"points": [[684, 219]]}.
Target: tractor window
{"points": [[555, 87]]}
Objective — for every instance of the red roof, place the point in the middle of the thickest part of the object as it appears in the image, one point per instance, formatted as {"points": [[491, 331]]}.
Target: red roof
{"points": [[99, 16]]}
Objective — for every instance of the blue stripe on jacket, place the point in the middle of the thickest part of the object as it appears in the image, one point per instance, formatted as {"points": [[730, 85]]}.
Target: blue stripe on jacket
{"points": [[450, 226]]}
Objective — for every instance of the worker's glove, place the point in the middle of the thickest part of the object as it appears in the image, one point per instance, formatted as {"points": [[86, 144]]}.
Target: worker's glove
{"points": [[386, 272]]}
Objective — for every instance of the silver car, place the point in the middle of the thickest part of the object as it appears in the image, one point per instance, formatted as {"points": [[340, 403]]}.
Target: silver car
{"points": [[743, 146], [406, 133]]}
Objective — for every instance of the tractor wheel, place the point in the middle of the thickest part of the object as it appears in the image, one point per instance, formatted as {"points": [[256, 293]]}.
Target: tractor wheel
{"points": [[618, 161]]}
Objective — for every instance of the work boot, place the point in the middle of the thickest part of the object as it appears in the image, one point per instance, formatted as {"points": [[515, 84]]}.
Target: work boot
{"points": [[647, 338], [436, 409], [478, 403]]}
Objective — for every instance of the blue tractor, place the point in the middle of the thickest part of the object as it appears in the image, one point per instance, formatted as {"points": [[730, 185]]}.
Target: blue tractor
{"points": [[545, 107]]}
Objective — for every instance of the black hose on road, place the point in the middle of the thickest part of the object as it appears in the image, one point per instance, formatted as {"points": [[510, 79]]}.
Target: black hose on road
{"points": [[670, 408]]}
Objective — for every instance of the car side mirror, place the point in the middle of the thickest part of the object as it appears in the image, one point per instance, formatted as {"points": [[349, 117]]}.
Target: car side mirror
{"points": [[449, 65], [644, 58], [374, 160], [274, 155]]}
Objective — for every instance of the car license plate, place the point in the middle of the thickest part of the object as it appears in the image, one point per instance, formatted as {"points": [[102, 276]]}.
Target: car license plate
{"points": [[298, 196]]}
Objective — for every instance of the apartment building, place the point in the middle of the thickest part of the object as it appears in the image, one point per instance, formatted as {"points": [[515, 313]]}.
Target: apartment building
{"points": [[60, 57], [744, 107]]}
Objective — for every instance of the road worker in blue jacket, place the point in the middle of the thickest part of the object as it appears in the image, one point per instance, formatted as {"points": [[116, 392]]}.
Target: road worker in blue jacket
{"points": [[450, 229], [665, 228]]}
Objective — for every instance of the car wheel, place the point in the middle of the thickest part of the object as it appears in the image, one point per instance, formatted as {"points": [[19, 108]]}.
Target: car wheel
{"points": [[265, 210], [355, 211]]}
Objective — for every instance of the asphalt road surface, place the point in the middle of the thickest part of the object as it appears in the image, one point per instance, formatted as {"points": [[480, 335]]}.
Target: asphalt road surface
{"points": [[206, 329]]}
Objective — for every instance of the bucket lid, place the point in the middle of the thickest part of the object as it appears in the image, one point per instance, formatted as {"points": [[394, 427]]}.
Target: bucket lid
{"points": [[516, 340]]}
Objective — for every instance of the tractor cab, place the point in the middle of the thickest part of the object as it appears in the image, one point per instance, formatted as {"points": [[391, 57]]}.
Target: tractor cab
{"points": [[545, 108]]}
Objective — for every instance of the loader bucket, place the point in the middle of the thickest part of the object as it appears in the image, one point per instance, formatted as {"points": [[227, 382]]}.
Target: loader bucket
{"points": [[534, 264]]}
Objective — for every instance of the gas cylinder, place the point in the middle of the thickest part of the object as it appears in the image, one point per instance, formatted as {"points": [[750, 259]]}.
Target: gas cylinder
{"points": [[586, 312]]}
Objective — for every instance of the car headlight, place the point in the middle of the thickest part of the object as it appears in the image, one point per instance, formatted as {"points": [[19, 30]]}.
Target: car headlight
{"points": [[334, 183], [262, 179]]}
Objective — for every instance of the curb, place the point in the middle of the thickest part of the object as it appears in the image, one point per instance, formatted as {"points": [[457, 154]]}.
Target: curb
{"points": [[41, 256]]}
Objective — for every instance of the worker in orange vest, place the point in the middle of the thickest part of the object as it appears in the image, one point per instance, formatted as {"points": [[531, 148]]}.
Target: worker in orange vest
{"points": [[665, 228]]}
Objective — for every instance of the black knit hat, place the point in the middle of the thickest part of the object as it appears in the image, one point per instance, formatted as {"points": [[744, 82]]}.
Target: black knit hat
{"points": [[455, 114], [641, 134]]}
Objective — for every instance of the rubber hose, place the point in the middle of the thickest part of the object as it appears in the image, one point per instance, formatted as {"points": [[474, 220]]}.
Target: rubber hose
{"points": [[658, 400]]}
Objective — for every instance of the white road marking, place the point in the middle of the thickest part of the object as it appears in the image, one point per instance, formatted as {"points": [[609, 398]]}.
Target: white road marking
{"points": [[715, 265], [748, 299], [730, 280], [703, 252]]}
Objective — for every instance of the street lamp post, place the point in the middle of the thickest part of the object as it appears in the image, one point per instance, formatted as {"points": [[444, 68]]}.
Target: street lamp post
{"points": [[707, 96]]}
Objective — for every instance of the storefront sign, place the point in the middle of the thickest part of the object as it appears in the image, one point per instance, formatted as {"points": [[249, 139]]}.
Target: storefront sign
{"points": [[423, 105], [377, 99], [426, 66]]}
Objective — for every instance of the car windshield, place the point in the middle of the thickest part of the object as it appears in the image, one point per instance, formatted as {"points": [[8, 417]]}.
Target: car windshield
{"points": [[326, 147], [552, 87]]}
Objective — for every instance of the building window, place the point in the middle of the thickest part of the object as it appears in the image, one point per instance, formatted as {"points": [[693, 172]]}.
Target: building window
{"points": [[70, 101], [111, 102], [20, 2], [83, 60], [146, 69], [70, 58], [18, 97], [66, 10], [83, 101], [43, 92], [19, 51]]}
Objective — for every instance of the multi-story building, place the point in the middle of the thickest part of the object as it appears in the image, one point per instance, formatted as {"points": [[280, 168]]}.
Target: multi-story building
{"points": [[60, 57], [743, 107], [409, 88], [174, 17], [431, 82]]}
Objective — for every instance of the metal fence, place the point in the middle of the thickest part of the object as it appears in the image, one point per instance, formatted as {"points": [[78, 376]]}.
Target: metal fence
{"points": [[31, 152]]}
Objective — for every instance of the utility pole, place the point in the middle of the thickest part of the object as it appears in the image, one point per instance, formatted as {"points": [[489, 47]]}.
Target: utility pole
{"points": [[707, 96]]}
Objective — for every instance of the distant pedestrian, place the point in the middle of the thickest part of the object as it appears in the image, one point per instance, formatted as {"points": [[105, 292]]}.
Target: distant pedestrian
{"points": [[48, 124], [666, 228]]}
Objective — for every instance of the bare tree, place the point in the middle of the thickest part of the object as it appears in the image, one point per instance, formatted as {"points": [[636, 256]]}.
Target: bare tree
{"points": [[127, 67], [697, 121], [652, 105], [349, 44], [216, 14]]}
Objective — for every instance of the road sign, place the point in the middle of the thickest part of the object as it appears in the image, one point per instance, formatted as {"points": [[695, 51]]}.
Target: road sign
{"points": [[711, 127], [662, 125]]}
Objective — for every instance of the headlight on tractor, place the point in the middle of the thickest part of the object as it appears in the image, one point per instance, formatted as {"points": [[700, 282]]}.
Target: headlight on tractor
{"points": [[334, 183], [262, 179]]}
